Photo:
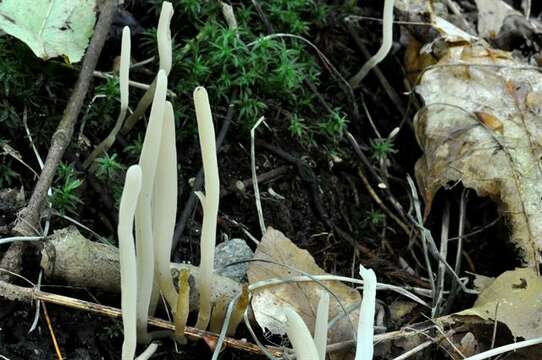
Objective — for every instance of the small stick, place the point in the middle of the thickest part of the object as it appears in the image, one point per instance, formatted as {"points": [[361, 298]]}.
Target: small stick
{"points": [[441, 271], [255, 177], [51, 331], [381, 204], [132, 83], [262, 178]]}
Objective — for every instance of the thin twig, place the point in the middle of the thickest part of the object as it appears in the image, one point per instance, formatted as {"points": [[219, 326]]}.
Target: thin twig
{"points": [[51, 331], [255, 176], [424, 237], [441, 270], [381, 204], [132, 83], [415, 350], [242, 185], [459, 248], [14, 292]]}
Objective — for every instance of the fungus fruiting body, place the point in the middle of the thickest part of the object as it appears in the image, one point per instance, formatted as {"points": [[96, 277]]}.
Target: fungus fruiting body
{"points": [[300, 336], [364, 347], [127, 258], [387, 40], [321, 324], [163, 34], [209, 202], [144, 233], [124, 74], [164, 206]]}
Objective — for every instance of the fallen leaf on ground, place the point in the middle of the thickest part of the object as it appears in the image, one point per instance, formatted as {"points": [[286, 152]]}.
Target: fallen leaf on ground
{"points": [[497, 154], [50, 28], [515, 299], [303, 297]]}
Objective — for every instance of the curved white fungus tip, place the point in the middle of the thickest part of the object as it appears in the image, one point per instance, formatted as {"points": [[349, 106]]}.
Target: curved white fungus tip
{"points": [[133, 177], [321, 325], [163, 33], [300, 336], [124, 70], [387, 40], [364, 347]]}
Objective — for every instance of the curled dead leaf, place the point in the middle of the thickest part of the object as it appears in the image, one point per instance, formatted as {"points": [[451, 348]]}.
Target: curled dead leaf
{"points": [[477, 130]]}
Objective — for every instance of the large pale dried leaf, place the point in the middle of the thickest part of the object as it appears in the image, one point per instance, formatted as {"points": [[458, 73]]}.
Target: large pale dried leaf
{"points": [[268, 303], [491, 16], [50, 27], [515, 299], [482, 126]]}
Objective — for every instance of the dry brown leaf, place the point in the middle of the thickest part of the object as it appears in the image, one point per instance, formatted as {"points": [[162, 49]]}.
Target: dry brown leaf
{"points": [[303, 297], [514, 298], [498, 158]]}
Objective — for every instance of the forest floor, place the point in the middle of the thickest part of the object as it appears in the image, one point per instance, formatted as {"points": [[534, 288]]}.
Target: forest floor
{"points": [[337, 159]]}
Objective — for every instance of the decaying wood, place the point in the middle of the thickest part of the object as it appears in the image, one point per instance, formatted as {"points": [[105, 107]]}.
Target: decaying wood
{"points": [[70, 257]]}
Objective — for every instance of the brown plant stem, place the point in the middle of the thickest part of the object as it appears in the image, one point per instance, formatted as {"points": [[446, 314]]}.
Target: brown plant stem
{"points": [[25, 294]]}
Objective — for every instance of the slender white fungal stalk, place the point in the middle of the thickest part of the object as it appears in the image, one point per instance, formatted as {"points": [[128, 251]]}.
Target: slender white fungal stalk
{"points": [[229, 15], [320, 326], [127, 257], [163, 34], [209, 202], [364, 347], [144, 236], [254, 175], [124, 68], [387, 40], [124, 80], [164, 207], [300, 336], [163, 37]]}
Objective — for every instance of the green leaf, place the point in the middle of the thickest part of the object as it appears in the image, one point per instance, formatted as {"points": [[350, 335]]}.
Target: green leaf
{"points": [[50, 28]]}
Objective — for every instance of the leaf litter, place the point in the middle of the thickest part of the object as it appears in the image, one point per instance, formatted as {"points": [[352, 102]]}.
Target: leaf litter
{"points": [[481, 126], [50, 28], [268, 303]]}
